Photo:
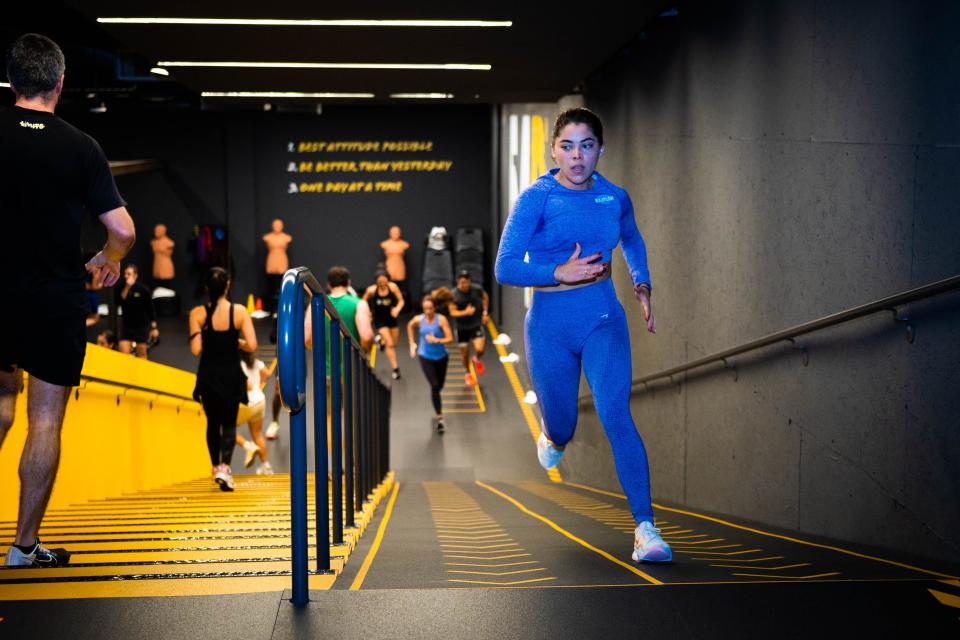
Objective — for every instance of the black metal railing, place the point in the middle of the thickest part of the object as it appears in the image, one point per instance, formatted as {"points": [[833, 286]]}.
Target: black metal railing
{"points": [[888, 304], [359, 413]]}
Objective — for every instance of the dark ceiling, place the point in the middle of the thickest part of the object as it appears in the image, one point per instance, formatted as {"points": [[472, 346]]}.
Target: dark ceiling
{"points": [[547, 53]]}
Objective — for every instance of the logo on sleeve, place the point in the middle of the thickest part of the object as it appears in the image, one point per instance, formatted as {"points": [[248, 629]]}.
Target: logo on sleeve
{"points": [[604, 199], [32, 125]]}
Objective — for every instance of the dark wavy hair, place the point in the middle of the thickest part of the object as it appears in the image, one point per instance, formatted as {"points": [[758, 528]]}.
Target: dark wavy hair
{"points": [[34, 65], [579, 115], [216, 283]]}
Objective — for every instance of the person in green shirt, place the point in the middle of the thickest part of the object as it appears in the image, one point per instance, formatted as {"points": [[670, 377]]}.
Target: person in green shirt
{"points": [[344, 300]]}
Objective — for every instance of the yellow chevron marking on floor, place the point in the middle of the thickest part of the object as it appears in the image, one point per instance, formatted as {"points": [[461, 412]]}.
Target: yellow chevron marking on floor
{"points": [[569, 535], [952, 583], [780, 568], [444, 496], [496, 573], [473, 547], [180, 540], [525, 409], [502, 584], [711, 541], [492, 566], [765, 559], [515, 555], [776, 535], [947, 599], [760, 575]]}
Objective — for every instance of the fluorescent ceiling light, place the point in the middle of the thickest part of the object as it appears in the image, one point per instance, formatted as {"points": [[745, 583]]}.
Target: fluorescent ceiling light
{"points": [[280, 94], [5, 84], [430, 96], [160, 71], [308, 23], [327, 65]]}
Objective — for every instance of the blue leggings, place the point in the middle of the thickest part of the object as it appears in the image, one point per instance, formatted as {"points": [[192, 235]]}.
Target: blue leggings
{"points": [[587, 327]]}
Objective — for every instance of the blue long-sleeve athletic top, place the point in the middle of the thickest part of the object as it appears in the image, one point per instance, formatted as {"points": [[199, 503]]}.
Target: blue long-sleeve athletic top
{"points": [[548, 219]]}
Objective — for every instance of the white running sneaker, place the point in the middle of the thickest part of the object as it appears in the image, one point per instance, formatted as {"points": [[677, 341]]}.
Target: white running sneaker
{"points": [[503, 339], [272, 430], [512, 357], [648, 546], [547, 453], [224, 478], [252, 450], [39, 557], [265, 469]]}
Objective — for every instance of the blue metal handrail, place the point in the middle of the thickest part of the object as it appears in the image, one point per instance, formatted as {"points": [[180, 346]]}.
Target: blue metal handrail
{"points": [[359, 422]]}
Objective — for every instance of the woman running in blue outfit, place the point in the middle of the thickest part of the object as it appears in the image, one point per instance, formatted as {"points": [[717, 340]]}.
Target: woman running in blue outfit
{"points": [[568, 222], [435, 334]]}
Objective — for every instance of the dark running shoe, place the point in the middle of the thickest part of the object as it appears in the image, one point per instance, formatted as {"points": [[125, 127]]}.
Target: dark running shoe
{"points": [[39, 557], [440, 427]]}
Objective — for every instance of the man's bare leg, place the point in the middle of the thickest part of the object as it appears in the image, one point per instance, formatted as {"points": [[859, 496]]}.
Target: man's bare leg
{"points": [[46, 404], [10, 385]]}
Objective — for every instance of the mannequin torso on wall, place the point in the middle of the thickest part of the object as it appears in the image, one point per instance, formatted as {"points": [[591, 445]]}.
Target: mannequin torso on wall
{"points": [[277, 242], [162, 246], [393, 249]]}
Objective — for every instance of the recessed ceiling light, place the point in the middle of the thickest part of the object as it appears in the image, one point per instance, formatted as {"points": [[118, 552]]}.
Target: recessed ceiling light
{"points": [[160, 71], [328, 65], [281, 94], [428, 96], [308, 23]]}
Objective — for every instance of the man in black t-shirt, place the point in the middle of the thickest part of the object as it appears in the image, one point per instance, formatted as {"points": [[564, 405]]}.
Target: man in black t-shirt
{"points": [[51, 175], [469, 308]]}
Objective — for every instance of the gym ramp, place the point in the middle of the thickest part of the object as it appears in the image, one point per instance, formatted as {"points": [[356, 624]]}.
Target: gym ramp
{"points": [[474, 540]]}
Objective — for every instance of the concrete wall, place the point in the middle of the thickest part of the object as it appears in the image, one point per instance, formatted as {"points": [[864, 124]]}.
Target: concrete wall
{"points": [[788, 160]]}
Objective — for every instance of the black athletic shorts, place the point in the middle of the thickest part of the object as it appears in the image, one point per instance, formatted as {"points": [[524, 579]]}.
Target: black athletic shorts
{"points": [[468, 335], [50, 348], [387, 321], [135, 334]]}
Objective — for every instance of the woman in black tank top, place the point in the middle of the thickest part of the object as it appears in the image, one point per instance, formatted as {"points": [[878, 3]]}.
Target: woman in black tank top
{"points": [[385, 302], [221, 385]]}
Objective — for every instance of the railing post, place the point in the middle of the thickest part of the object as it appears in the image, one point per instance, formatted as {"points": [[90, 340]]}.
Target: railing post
{"points": [[374, 449], [348, 396], [336, 429], [368, 401], [293, 380], [357, 421], [320, 489]]}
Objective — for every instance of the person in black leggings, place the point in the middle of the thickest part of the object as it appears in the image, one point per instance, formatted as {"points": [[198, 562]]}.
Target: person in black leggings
{"points": [[435, 333], [215, 335]]}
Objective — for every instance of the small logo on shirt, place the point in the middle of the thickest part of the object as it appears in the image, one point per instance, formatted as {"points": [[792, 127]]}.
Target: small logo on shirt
{"points": [[32, 125], [603, 199]]}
